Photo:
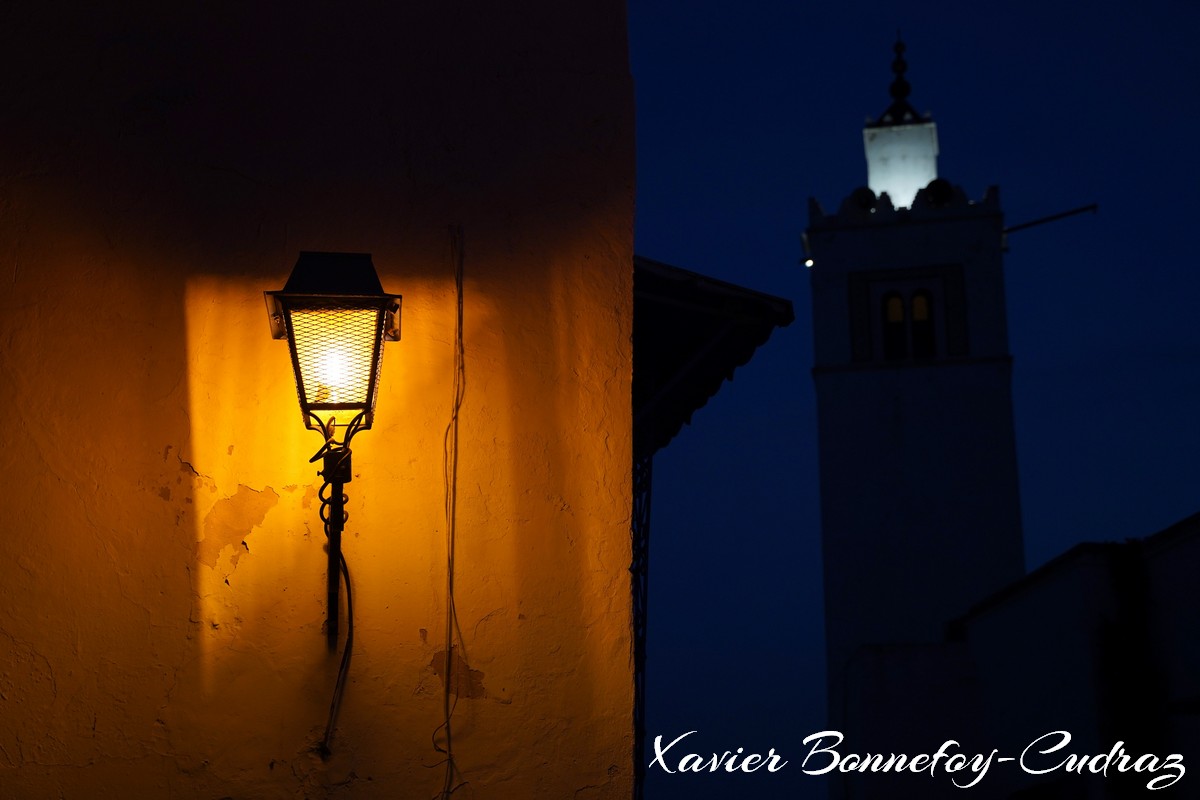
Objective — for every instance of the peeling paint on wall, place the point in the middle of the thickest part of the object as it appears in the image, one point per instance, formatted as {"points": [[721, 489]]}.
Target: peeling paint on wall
{"points": [[464, 681], [231, 521]]}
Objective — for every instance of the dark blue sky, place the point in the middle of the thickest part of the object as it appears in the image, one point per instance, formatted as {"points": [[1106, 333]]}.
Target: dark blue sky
{"points": [[747, 109]]}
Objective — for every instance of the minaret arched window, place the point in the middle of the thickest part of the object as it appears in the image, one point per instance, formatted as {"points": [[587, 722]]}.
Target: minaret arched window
{"points": [[895, 333], [924, 342]]}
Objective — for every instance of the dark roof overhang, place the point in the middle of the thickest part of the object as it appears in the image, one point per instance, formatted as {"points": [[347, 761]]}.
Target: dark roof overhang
{"points": [[690, 333]]}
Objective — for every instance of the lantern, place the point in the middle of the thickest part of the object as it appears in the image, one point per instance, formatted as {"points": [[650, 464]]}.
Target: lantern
{"points": [[335, 315]]}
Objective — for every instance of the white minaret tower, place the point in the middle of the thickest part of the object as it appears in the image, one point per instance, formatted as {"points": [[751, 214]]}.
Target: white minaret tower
{"points": [[919, 496]]}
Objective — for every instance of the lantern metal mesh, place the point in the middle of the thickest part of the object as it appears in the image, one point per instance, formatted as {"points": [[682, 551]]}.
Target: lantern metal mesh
{"points": [[338, 354]]}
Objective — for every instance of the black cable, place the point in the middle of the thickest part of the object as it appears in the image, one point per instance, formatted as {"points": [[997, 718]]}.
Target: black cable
{"points": [[450, 483], [344, 669]]}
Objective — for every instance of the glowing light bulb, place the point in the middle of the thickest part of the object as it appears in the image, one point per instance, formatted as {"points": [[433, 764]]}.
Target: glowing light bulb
{"points": [[333, 373]]}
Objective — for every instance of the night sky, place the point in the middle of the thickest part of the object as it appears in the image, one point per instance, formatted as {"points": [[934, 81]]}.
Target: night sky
{"points": [[745, 110]]}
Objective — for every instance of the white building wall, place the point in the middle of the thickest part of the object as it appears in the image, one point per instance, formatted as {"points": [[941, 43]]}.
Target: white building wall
{"points": [[919, 491]]}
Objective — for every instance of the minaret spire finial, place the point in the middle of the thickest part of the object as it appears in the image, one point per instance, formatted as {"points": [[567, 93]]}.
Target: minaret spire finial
{"points": [[900, 112], [900, 87]]}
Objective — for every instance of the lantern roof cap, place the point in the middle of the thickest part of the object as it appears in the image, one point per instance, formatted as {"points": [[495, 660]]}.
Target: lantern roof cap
{"points": [[318, 273], [338, 280]]}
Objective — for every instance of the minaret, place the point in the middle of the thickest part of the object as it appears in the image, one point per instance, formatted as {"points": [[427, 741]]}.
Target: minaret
{"points": [[919, 498]]}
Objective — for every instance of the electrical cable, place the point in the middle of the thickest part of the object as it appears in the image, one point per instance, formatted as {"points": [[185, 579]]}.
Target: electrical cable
{"points": [[339, 689], [452, 780]]}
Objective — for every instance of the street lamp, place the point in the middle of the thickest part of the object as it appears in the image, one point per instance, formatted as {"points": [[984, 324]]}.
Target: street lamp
{"points": [[335, 315]]}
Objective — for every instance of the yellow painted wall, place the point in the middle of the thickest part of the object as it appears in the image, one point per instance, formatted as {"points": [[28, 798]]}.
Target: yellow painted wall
{"points": [[161, 560]]}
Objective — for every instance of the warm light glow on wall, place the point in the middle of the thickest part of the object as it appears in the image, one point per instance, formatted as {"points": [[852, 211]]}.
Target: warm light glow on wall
{"points": [[247, 463]]}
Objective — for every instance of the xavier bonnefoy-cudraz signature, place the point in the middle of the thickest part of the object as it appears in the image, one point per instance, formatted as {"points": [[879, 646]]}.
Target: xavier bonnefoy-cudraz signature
{"points": [[825, 754]]}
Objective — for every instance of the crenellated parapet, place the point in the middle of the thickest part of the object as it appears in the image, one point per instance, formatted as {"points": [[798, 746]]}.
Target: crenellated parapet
{"points": [[939, 199]]}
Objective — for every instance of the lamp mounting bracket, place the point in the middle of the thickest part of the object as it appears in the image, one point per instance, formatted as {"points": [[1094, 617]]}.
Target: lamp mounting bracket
{"points": [[336, 467]]}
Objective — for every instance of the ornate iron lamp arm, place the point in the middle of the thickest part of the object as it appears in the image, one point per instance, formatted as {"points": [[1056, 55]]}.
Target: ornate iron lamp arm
{"points": [[336, 470]]}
